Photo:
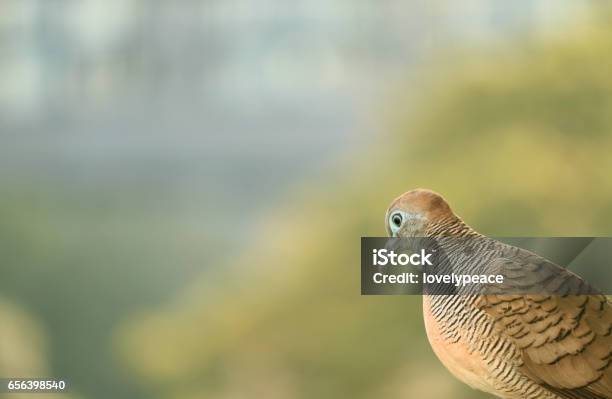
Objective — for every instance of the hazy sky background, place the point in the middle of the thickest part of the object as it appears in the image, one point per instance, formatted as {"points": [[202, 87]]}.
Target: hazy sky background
{"points": [[218, 98]]}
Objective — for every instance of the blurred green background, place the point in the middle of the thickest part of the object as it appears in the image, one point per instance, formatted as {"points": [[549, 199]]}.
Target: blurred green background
{"points": [[184, 184]]}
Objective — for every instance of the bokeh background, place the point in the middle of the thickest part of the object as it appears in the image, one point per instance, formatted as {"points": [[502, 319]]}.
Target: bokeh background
{"points": [[183, 184]]}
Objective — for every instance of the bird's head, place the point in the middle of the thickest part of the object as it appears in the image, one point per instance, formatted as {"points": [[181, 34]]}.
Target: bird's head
{"points": [[418, 213]]}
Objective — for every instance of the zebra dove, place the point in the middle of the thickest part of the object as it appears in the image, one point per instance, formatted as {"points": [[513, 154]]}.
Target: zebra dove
{"points": [[512, 346]]}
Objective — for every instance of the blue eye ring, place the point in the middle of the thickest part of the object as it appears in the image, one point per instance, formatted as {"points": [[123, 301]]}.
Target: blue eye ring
{"points": [[396, 219]]}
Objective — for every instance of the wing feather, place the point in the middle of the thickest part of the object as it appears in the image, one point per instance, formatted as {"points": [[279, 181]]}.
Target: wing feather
{"points": [[564, 336]]}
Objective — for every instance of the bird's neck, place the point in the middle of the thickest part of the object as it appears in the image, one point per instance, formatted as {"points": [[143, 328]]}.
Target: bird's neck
{"points": [[452, 226]]}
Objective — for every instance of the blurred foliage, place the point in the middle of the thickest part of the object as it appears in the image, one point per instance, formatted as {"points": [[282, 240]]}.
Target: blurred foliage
{"points": [[22, 343], [23, 348], [518, 141], [76, 263]]}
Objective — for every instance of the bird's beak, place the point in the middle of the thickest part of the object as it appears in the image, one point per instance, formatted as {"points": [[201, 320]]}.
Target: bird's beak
{"points": [[393, 244], [400, 245]]}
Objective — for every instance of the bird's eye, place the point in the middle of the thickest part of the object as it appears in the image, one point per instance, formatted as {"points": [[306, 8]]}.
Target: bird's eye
{"points": [[396, 219]]}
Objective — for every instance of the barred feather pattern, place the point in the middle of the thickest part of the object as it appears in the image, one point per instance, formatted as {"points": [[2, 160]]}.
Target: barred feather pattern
{"points": [[520, 346]]}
